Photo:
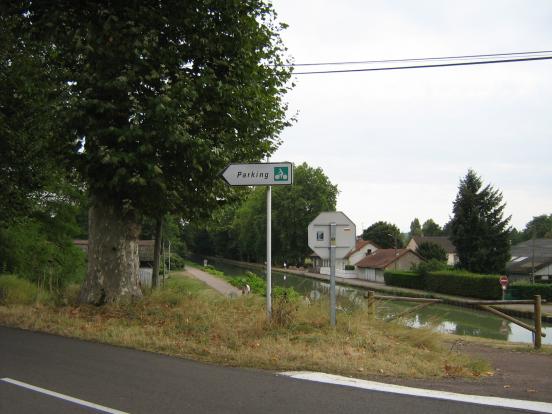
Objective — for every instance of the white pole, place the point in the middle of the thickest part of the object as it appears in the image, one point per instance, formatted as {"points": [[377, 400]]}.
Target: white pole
{"points": [[269, 252]]}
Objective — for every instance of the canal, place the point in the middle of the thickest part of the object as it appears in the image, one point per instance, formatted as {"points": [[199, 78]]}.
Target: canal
{"points": [[442, 318]]}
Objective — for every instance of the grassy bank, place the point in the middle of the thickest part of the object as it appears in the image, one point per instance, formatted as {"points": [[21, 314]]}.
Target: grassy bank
{"points": [[187, 319]]}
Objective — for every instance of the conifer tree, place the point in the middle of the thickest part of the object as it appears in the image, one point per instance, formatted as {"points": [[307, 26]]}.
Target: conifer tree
{"points": [[478, 229]]}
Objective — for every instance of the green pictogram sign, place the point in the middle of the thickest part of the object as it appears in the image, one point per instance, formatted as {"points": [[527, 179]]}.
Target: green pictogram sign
{"points": [[281, 173]]}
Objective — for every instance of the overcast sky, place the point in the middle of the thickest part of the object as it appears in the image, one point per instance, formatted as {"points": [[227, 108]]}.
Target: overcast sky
{"points": [[397, 142]]}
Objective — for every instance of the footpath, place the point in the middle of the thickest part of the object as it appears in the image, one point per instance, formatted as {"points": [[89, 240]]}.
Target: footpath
{"points": [[520, 310], [214, 282]]}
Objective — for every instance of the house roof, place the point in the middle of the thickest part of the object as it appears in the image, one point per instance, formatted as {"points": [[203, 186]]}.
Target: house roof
{"points": [[524, 264], [442, 241], [359, 245], [525, 255], [541, 248], [382, 258]]}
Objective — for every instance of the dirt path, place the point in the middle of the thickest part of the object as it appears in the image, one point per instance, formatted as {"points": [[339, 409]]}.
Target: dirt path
{"points": [[517, 374], [216, 283]]}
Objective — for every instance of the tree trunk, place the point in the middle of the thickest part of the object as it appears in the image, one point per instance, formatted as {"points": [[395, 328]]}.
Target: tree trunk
{"points": [[157, 253], [113, 261]]}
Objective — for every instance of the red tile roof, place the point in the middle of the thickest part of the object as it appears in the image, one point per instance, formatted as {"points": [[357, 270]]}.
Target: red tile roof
{"points": [[382, 258]]}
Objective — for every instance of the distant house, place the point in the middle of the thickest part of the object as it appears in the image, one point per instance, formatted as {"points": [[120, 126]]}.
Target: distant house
{"points": [[361, 249], [145, 250], [443, 241], [531, 256], [373, 266]]}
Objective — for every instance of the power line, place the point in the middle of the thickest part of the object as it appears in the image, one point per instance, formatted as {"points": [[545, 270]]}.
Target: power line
{"points": [[439, 65], [359, 62]]}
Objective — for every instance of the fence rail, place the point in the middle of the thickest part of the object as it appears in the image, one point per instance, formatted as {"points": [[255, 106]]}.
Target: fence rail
{"points": [[485, 305]]}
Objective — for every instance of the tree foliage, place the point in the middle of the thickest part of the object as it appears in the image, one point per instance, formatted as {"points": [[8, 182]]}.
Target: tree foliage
{"points": [[240, 232], [415, 228], [430, 228], [539, 226], [31, 111], [385, 235], [478, 229], [432, 251]]}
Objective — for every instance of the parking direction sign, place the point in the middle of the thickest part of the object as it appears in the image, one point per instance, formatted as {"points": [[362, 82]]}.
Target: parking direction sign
{"points": [[269, 173]]}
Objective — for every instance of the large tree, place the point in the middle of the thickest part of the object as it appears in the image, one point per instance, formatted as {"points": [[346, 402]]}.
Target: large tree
{"points": [[478, 227], [385, 235], [162, 96]]}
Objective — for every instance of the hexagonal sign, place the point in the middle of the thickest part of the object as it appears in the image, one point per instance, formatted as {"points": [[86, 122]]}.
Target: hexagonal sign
{"points": [[319, 234]]}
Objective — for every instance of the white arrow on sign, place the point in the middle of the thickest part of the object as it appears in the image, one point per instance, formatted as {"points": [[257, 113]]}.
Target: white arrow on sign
{"points": [[269, 173]]}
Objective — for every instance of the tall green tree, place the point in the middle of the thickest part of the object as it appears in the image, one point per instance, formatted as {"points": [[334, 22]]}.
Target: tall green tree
{"points": [[385, 235], [430, 228], [478, 227], [162, 96], [415, 228]]}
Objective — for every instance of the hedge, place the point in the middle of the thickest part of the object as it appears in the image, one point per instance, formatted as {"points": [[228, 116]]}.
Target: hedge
{"points": [[462, 283], [525, 290], [409, 280]]}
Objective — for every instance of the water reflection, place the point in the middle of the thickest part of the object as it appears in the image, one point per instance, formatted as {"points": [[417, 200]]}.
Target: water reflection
{"points": [[442, 318]]}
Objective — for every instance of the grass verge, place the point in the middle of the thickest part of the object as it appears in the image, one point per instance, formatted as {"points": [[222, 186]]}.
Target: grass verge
{"points": [[187, 319]]}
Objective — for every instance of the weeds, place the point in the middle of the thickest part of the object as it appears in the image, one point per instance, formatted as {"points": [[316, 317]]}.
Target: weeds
{"points": [[186, 319]]}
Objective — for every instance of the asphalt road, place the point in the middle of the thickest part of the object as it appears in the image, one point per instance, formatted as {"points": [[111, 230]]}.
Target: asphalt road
{"points": [[141, 382]]}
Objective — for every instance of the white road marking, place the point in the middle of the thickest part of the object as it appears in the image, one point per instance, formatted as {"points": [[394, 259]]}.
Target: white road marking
{"points": [[541, 407], [63, 396]]}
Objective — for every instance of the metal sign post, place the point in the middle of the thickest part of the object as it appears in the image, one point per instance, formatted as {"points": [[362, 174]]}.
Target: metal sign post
{"points": [[332, 273], [504, 283], [331, 235], [265, 174], [269, 252]]}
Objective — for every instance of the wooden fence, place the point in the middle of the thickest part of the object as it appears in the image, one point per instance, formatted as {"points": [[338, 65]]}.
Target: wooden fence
{"points": [[486, 305]]}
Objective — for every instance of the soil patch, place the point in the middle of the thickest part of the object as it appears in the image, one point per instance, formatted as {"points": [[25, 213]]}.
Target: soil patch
{"points": [[517, 374]]}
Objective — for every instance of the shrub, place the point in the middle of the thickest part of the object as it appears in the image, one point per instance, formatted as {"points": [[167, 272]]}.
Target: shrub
{"points": [[349, 267], [432, 251], [211, 270], [526, 290], [16, 291], [177, 262], [463, 283], [404, 279], [423, 268]]}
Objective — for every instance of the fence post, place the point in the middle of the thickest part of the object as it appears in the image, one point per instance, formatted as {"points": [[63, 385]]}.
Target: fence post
{"points": [[371, 304], [538, 321]]}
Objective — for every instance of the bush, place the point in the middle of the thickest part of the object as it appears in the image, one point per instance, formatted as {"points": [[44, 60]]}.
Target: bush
{"points": [[526, 290], [462, 283], [16, 291], [349, 267], [177, 262], [409, 280], [432, 251]]}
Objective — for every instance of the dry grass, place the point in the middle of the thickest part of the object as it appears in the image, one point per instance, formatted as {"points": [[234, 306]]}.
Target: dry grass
{"points": [[187, 320]]}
